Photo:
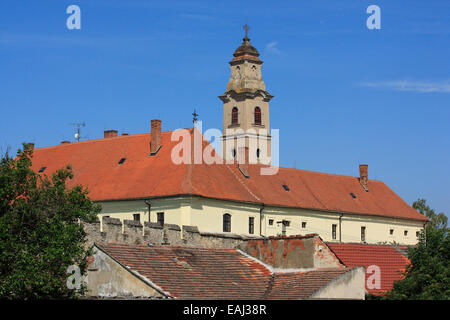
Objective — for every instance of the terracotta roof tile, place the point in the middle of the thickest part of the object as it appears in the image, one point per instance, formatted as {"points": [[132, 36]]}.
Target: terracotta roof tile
{"points": [[95, 165], [302, 285], [187, 272], [389, 260], [195, 273]]}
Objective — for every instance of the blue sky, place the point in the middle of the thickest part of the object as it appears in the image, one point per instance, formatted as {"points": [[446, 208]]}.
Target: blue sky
{"points": [[344, 94]]}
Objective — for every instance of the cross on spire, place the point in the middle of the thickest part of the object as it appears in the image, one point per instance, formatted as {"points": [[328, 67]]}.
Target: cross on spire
{"points": [[246, 28]]}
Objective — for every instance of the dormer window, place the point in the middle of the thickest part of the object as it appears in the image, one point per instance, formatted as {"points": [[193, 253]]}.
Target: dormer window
{"points": [[234, 116], [258, 116]]}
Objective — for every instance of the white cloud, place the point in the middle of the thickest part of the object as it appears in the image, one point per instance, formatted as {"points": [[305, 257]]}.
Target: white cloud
{"points": [[408, 85], [272, 47]]}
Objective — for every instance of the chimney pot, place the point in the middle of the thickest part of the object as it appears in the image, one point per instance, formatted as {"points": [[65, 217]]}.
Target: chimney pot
{"points": [[110, 133], [155, 142], [364, 176], [243, 158]]}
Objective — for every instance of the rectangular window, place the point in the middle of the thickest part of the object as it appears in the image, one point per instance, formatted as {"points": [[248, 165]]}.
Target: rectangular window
{"points": [[363, 234], [303, 225], [391, 232], [406, 233], [160, 218], [287, 223], [136, 217], [270, 222], [333, 231], [417, 234], [251, 225], [226, 222]]}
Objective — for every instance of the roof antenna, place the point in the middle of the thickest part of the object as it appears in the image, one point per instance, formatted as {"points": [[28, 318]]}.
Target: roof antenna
{"points": [[78, 133]]}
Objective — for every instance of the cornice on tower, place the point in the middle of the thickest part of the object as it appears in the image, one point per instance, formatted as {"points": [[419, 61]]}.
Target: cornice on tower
{"points": [[246, 77]]}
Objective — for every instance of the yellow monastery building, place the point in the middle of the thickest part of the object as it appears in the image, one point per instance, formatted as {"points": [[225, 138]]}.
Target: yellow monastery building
{"points": [[134, 177]]}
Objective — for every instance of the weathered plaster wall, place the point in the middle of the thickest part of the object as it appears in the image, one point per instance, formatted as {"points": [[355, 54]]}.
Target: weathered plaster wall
{"points": [[107, 278], [293, 252], [348, 286]]}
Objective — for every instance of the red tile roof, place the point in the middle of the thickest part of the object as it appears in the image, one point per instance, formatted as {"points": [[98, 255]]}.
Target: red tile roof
{"points": [[389, 260], [199, 273], [302, 285], [95, 165], [186, 272]]}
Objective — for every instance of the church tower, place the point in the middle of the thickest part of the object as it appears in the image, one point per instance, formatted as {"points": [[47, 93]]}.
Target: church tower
{"points": [[246, 107]]}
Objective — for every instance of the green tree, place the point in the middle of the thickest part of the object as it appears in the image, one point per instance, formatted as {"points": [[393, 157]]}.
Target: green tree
{"points": [[437, 220], [428, 275], [40, 234]]}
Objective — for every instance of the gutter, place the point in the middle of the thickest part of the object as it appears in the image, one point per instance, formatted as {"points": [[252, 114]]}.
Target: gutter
{"points": [[149, 208], [260, 219]]}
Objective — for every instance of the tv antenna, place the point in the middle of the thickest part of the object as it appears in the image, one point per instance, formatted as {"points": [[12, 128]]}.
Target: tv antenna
{"points": [[78, 133], [195, 117]]}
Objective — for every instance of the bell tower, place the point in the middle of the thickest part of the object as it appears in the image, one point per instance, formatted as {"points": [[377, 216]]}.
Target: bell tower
{"points": [[246, 107]]}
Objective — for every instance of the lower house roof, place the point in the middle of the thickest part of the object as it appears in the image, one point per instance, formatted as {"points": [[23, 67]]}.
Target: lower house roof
{"points": [[95, 165], [205, 273], [302, 285], [390, 261]]}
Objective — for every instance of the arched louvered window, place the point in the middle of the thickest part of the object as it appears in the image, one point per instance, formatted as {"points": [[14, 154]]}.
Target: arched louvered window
{"points": [[257, 115], [226, 222], [234, 115]]}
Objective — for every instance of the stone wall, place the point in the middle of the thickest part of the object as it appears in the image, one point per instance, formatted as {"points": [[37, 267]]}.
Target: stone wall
{"points": [[133, 232], [301, 251]]}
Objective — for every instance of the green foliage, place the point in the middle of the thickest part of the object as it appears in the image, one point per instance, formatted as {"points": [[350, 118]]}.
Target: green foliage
{"points": [[437, 221], [40, 234], [428, 275]]}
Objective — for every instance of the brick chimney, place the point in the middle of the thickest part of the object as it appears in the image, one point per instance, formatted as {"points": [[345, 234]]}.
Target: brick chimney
{"points": [[364, 176], [110, 133], [243, 158], [155, 142]]}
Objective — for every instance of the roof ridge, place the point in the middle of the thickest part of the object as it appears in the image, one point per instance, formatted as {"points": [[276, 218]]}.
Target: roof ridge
{"points": [[243, 184], [100, 140], [324, 173]]}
